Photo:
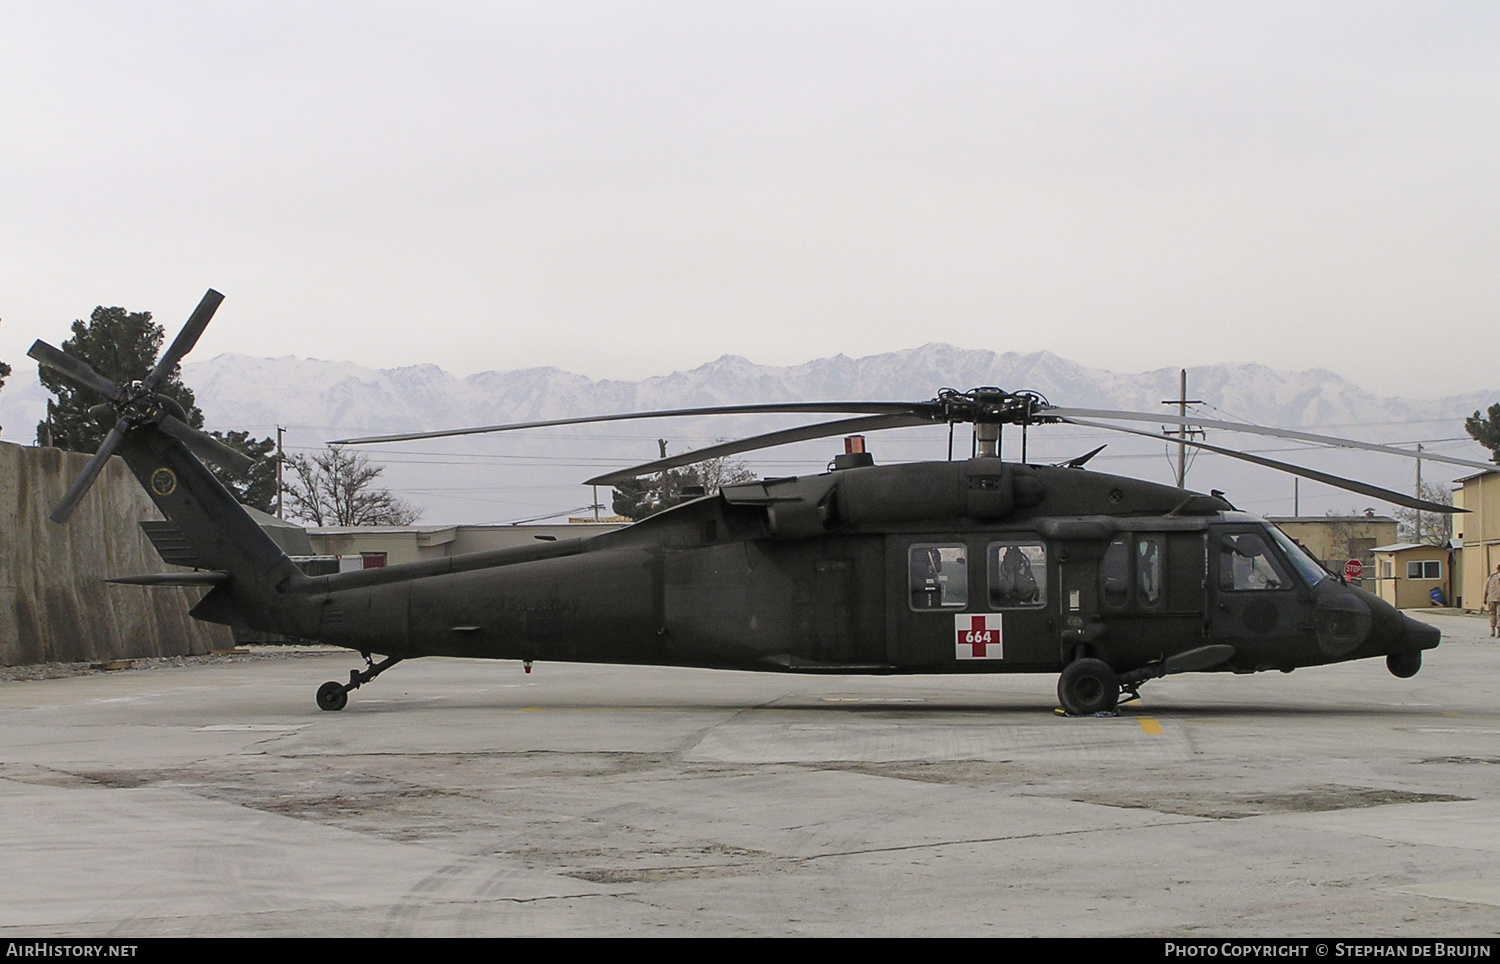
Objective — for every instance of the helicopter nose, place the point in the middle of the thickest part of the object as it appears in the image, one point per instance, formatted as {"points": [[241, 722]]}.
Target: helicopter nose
{"points": [[1416, 634]]}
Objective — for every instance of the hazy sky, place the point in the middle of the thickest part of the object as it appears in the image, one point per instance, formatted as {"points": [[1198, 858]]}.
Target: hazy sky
{"points": [[625, 189]]}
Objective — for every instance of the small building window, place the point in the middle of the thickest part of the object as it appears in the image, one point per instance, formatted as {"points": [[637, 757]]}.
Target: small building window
{"points": [[1428, 569]]}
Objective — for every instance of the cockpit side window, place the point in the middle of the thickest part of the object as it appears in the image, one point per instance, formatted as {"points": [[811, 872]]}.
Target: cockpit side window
{"points": [[1246, 563], [938, 576]]}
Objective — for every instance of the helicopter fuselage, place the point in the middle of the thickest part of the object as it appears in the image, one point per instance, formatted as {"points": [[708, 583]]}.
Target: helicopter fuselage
{"points": [[947, 567]]}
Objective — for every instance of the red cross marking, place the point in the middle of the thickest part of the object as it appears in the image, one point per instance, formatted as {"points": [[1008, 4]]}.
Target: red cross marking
{"points": [[978, 636]]}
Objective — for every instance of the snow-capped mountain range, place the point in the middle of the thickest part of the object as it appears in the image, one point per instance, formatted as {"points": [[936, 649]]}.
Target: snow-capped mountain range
{"points": [[502, 478]]}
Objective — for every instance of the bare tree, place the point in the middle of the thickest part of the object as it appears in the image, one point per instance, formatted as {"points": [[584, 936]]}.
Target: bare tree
{"points": [[714, 474], [645, 496], [1429, 528], [335, 488]]}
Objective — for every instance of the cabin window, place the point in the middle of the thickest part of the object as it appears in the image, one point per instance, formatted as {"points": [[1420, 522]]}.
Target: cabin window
{"points": [[1429, 569], [938, 576], [1148, 572], [1114, 575], [1246, 564], [1017, 574]]}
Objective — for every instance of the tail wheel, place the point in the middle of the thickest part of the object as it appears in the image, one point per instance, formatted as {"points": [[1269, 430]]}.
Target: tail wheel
{"points": [[332, 696], [1088, 686]]}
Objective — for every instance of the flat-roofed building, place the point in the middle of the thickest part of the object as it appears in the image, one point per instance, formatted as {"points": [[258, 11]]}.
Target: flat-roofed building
{"points": [[1407, 574], [1335, 539], [1477, 534]]}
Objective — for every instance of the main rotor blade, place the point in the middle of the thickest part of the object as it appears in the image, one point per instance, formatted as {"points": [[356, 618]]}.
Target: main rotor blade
{"points": [[91, 470], [1069, 413], [74, 369], [186, 338], [770, 408], [1338, 481], [869, 423], [205, 446]]}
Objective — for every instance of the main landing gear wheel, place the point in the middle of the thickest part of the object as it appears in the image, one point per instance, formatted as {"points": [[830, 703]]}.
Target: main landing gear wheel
{"points": [[332, 696], [1088, 686]]}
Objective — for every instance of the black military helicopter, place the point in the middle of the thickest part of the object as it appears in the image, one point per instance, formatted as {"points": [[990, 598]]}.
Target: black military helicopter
{"points": [[969, 566]]}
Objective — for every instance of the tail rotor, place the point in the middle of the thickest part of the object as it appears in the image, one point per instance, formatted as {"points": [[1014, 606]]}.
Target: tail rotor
{"points": [[137, 405]]}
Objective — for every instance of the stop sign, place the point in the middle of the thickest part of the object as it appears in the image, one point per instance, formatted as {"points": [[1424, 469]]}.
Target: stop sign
{"points": [[1353, 569]]}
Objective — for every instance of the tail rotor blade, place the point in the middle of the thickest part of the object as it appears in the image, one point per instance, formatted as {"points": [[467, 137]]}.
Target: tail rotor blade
{"points": [[74, 369], [186, 338], [64, 510], [205, 446]]}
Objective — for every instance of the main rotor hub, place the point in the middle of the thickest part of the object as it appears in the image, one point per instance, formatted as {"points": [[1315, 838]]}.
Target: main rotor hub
{"points": [[988, 405]]}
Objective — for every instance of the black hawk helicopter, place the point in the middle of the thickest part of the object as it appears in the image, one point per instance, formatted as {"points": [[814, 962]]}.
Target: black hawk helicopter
{"points": [[970, 566]]}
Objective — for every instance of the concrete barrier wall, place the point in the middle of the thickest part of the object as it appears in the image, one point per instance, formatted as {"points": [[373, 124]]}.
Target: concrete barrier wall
{"points": [[54, 603]]}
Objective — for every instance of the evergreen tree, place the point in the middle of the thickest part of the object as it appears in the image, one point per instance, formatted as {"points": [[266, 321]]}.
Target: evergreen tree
{"points": [[1485, 429], [637, 498], [257, 487]]}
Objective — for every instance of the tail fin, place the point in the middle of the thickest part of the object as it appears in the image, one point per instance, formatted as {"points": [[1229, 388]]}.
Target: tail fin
{"points": [[217, 534]]}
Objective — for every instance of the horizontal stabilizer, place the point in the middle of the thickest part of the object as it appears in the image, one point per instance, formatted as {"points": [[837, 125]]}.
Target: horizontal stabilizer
{"points": [[201, 578]]}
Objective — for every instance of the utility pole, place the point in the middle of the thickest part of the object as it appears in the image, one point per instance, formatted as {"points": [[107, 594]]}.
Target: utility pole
{"points": [[280, 460], [1419, 492], [1182, 402], [661, 487]]}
